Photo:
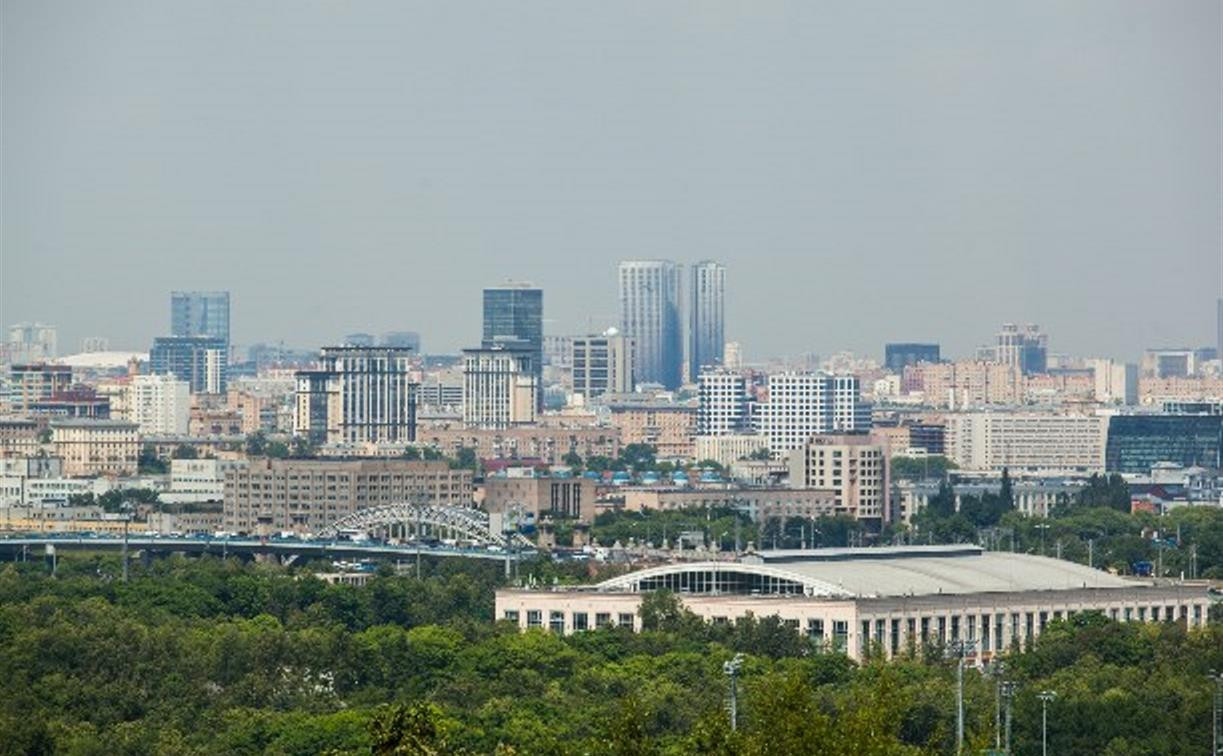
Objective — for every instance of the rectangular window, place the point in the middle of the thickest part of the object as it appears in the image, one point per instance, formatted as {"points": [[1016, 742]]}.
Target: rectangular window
{"points": [[580, 621], [1142, 614], [1030, 630], [815, 629], [512, 615], [626, 620], [840, 635], [602, 620], [556, 622], [895, 639], [1044, 620], [534, 618]]}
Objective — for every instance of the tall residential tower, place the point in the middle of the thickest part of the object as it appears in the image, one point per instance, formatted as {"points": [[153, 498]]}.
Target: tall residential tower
{"points": [[706, 317], [650, 316]]}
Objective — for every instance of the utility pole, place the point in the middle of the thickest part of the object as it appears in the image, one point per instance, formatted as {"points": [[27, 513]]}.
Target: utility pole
{"points": [[1008, 694], [127, 518], [1045, 697], [731, 670], [1215, 728], [961, 649], [1091, 557], [997, 668]]}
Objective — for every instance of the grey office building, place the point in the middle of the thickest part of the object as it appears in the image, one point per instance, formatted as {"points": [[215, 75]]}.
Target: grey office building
{"points": [[706, 317], [200, 313], [201, 361], [514, 318], [650, 316], [897, 356]]}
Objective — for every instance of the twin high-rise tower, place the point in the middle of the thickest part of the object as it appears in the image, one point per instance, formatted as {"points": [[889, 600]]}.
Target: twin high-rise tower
{"points": [[651, 314]]}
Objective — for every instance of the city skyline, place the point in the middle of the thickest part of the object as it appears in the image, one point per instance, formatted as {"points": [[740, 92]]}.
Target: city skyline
{"points": [[1050, 177]]}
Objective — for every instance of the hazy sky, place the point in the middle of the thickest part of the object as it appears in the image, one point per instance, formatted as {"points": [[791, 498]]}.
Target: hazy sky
{"points": [[866, 171]]}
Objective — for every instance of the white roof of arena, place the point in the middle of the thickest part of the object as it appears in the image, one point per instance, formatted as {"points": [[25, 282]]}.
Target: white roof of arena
{"points": [[886, 572]]}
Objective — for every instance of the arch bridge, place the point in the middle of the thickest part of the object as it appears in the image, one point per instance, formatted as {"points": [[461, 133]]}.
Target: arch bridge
{"points": [[411, 521]]}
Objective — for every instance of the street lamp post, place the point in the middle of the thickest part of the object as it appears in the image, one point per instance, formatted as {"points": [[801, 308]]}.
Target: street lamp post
{"points": [[1217, 678], [126, 508], [1008, 694], [997, 668], [731, 670], [961, 649], [1045, 697]]}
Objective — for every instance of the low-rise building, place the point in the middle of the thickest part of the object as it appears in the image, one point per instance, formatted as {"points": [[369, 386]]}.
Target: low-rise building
{"points": [[96, 447], [758, 503], [304, 496], [18, 437], [726, 450], [669, 428], [541, 497], [874, 602], [550, 445]]}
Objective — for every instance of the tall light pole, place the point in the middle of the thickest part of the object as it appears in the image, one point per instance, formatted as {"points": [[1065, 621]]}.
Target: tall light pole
{"points": [[1008, 694], [1217, 678], [731, 670], [1042, 526], [961, 649], [997, 668], [126, 508], [1045, 697]]}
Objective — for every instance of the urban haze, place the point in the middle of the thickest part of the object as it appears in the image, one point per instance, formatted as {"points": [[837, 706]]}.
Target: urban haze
{"points": [[866, 172]]}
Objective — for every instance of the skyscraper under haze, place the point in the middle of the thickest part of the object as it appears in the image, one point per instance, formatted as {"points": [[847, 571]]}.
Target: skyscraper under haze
{"points": [[706, 316], [200, 313], [514, 318], [650, 316]]}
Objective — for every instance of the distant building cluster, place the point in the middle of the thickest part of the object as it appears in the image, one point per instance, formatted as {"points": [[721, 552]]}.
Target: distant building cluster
{"points": [[280, 438]]}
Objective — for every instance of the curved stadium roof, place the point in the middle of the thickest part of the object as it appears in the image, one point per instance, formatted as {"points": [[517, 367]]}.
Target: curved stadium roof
{"points": [[871, 573]]}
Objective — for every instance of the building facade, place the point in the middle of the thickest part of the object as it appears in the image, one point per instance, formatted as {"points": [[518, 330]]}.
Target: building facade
{"points": [[542, 497], [874, 602], [201, 361], [896, 357], [109, 448], [357, 395], [200, 313], [30, 384], [728, 449], [669, 428], [650, 316], [723, 408], [1137, 443], [706, 316], [800, 405], [1035, 442], [500, 387], [514, 317], [602, 364], [1026, 350], [304, 496], [853, 467], [548, 445], [159, 404], [32, 342]]}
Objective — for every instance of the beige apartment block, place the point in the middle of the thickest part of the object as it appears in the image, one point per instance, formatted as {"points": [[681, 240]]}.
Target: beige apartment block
{"points": [[96, 447]]}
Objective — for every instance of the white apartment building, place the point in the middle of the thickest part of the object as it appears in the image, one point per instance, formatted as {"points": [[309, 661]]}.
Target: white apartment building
{"points": [[854, 467], [723, 408], [500, 388], [602, 364], [800, 405], [159, 404], [729, 449], [198, 480], [1027, 441], [1115, 382]]}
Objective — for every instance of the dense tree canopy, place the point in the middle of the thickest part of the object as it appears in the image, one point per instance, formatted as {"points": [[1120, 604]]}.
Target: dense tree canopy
{"points": [[208, 656]]}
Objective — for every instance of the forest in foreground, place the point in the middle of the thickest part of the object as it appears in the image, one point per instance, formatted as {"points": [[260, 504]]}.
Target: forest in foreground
{"points": [[203, 656]]}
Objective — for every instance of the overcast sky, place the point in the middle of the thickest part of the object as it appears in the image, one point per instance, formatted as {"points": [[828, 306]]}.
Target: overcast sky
{"points": [[866, 171]]}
